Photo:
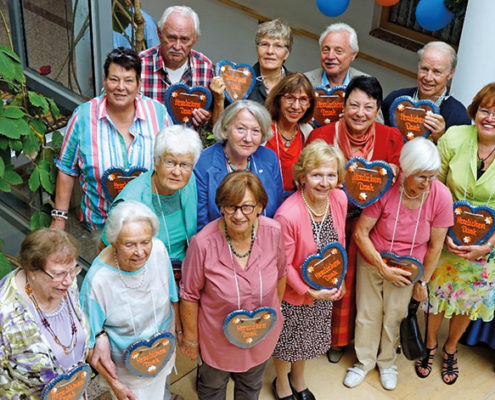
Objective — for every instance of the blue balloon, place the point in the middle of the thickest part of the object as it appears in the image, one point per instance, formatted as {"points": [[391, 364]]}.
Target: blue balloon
{"points": [[332, 8], [432, 15]]}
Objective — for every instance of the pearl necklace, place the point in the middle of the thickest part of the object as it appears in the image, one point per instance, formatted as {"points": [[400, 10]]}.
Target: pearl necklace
{"points": [[403, 190], [313, 211], [122, 278], [229, 242]]}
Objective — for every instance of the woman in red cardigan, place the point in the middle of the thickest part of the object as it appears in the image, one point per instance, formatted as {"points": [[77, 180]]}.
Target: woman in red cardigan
{"points": [[311, 218]]}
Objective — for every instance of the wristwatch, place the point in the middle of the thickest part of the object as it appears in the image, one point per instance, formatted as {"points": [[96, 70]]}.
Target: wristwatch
{"points": [[422, 283]]}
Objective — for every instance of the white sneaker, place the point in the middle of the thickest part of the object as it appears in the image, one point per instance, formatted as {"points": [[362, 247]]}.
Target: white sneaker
{"points": [[388, 377], [354, 376]]}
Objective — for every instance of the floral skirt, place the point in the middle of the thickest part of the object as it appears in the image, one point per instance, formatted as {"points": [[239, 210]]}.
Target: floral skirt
{"points": [[459, 286]]}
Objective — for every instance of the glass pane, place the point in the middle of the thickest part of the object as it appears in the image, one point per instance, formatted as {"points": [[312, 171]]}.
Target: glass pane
{"points": [[58, 43]]}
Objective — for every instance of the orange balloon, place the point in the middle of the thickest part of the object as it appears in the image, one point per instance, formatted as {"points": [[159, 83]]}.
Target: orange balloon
{"points": [[387, 3]]}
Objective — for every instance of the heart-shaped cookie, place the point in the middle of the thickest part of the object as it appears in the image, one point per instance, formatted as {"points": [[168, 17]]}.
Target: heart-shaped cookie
{"points": [[407, 263], [245, 328], [70, 386], [408, 116], [472, 225], [115, 179], [181, 100], [326, 269], [329, 104], [148, 357], [239, 79], [365, 182]]}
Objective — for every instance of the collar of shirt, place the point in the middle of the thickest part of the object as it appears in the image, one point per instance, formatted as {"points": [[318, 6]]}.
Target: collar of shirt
{"points": [[138, 104], [326, 83]]}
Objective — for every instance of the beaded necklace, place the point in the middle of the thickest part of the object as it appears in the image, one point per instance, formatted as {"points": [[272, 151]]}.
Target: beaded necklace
{"points": [[232, 167], [73, 341], [403, 190], [122, 278], [313, 211], [229, 242]]}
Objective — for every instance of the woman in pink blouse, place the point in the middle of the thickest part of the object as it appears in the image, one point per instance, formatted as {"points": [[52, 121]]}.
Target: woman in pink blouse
{"points": [[233, 279]]}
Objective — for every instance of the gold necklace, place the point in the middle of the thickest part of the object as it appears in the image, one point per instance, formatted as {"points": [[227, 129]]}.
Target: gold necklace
{"points": [[313, 211]]}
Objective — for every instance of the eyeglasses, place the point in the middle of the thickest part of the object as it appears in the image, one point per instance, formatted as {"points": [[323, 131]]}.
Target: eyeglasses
{"points": [[484, 113], [171, 164], [277, 46], [121, 52], [246, 209], [290, 99], [423, 178], [60, 276], [244, 131]]}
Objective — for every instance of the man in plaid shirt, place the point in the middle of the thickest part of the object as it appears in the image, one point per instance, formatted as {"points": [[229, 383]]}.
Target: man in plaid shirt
{"points": [[174, 60]]}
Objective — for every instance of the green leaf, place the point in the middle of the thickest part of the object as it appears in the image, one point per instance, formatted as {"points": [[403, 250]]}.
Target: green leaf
{"points": [[9, 128], [11, 176], [13, 112], [4, 185], [21, 126], [5, 266], [2, 167], [38, 126], [34, 180], [54, 108], [57, 139], [46, 181], [15, 145], [31, 145], [7, 68], [4, 142], [38, 101], [39, 219], [19, 73], [6, 50]]}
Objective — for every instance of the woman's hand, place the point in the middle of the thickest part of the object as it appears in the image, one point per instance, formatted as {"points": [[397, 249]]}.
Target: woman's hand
{"points": [[420, 293], [470, 253], [200, 116], [101, 354], [396, 276], [217, 87], [325, 294], [395, 171], [189, 348], [121, 391]]}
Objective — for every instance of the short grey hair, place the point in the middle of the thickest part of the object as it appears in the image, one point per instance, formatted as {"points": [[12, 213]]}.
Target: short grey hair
{"points": [[419, 155], [275, 29], [441, 46], [177, 139], [184, 10], [222, 126], [339, 27], [129, 211]]}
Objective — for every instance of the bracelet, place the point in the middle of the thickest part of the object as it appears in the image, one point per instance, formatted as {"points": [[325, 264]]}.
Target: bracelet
{"points": [[423, 283], [179, 332], [101, 333], [189, 344], [58, 213], [490, 245]]}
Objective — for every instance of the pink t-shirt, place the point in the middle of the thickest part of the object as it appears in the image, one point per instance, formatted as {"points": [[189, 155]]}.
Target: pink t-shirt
{"points": [[435, 213], [208, 278]]}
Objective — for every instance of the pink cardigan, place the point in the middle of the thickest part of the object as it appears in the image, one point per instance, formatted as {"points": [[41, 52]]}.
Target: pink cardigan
{"points": [[294, 218]]}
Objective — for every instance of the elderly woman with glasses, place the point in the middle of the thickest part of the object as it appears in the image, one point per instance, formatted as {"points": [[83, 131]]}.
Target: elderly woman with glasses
{"points": [[169, 189], [44, 332], [291, 104], [234, 266], [240, 130], [411, 219], [129, 295], [110, 134], [463, 285]]}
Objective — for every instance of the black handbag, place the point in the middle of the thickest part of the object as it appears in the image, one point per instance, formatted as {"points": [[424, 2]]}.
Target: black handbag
{"points": [[411, 342]]}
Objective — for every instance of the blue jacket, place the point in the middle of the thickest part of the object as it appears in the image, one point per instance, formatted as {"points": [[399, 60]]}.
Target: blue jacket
{"points": [[211, 169], [451, 109]]}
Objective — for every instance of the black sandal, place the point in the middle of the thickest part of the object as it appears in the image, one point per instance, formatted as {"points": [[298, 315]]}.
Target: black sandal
{"points": [[426, 362], [449, 368]]}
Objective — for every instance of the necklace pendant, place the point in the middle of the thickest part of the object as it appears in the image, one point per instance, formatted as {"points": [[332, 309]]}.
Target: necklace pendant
{"points": [[288, 143]]}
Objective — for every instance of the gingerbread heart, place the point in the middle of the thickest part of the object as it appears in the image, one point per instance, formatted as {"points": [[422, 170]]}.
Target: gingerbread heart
{"points": [[326, 269], [115, 179], [408, 116], [329, 104], [407, 263], [239, 79], [245, 328], [472, 225], [365, 182], [70, 386], [181, 100], [147, 358]]}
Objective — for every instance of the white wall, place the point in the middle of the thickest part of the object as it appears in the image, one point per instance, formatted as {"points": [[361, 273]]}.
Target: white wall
{"points": [[228, 33]]}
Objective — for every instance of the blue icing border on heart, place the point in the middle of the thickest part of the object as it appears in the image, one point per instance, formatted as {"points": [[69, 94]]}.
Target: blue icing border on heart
{"points": [[474, 209], [414, 260], [328, 93], [305, 264], [248, 314], [122, 171], [145, 342], [390, 177], [188, 89], [221, 63], [399, 99], [66, 377]]}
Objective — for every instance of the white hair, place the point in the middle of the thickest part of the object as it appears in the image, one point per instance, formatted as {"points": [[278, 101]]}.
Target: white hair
{"points": [[339, 27], [419, 155], [129, 211], [441, 46], [177, 139], [184, 10]]}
